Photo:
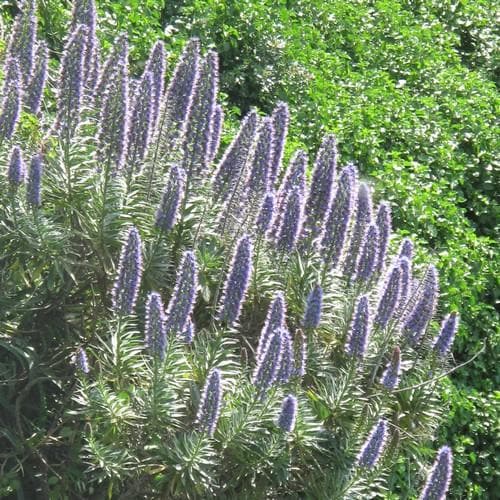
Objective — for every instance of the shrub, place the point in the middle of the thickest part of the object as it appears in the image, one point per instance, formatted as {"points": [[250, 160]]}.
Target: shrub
{"points": [[168, 326]]}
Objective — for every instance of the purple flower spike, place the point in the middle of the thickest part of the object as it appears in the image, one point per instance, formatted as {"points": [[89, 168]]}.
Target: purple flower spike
{"points": [[291, 223], [140, 126], [372, 449], [406, 278], [155, 335], [188, 333], [406, 249], [418, 319], [266, 214], [34, 186], [128, 279], [11, 104], [367, 261], [389, 297], [23, 38], [231, 167], [288, 414], [81, 361], [287, 359], [275, 319], [442, 343], [183, 297], [337, 223], [439, 478], [312, 315], [357, 339], [210, 403], [71, 80], [300, 353], [156, 66], [321, 192], [390, 377], [216, 130], [173, 195], [361, 223], [36, 85], [280, 118], [384, 226], [16, 173], [237, 282], [269, 363]]}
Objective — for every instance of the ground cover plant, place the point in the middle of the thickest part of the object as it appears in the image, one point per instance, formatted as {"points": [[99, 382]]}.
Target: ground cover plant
{"points": [[186, 320]]}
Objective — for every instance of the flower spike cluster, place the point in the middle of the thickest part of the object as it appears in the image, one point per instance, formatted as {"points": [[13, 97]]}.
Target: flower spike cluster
{"points": [[210, 403]]}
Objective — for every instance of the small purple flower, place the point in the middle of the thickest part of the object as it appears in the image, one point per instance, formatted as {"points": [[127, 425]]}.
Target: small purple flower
{"points": [[128, 279], [237, 282], [156, 66], [361, 223], [266, 214], [384, 226], [367, 260], [34, 186], [288, 414], [287, 365], [275, 319], [389, 297], [337, 223], [439, 478], [210, 403], [269, 363], [312, 314], [172, 197], [11, 104], [155, 335], [34, 91], [406, 249], [216, 130], [16, 173], [372, 449], [357, 339], [183, 297], [390, 377], [442, 343], [291, 222], [280, 118], [81, 361], [418, 319]]}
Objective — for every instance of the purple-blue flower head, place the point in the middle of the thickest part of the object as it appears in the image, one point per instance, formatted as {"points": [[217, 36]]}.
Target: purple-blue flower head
{"points": [[367, 260], [215, 133], [81, 361], [359, 331], [384, 226], [237, 282], [374, 445], [188, 333], [442, 343], [406, 279], [439, 478], [34, 185], [156, 66], [287, 365], [16, 173], [128, 279], [172, 197], [266, 214], [268, 365], [280, 118], [406, 249], [210, 403], [312, 314], [275, 319], [288, 414], [389, 297], [12, 100], [392, 372], [34, 91], [300, 349], [291, 222], [155, 335]]}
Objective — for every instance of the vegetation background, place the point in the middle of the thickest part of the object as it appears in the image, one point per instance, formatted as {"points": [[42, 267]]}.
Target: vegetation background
{"points": [[410, 88]]}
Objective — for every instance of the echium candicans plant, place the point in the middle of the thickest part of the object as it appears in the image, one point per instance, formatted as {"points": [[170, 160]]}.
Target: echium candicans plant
{"points": [[160, 309]]}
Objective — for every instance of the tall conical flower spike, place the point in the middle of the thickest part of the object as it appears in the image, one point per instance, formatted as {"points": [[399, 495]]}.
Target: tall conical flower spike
{"points": [[237, 282], [357, 339], [128, 279], [392, 372], [372, 449], [210, 403], [172, 197], [11, 104], [291, 223], [406, 279], [288, 413], [275, 319], [34, 186], [439, 478], [112, 136], [188, 333], [156, 66], [406, 249], [389, 297], [81, 361], [232, 164], [216, 130], [280, 118], [34, 91], [16, 172], [314, 303], [183, 297], [287, 359], [269, 363], [384, 226], [321, 191], [266, 214], [361, 223], [69, 98], [155, 335], [442, 343], [300, 349], [367, 261], [337, 223], [418, 319], [23, 39]]}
